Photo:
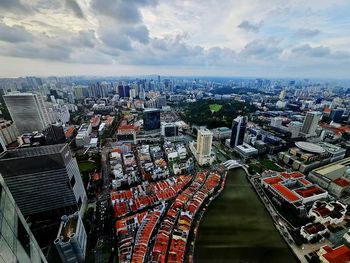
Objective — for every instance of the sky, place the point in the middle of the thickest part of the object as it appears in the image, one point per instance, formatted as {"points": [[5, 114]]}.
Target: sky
{"points": [[253, 38]]}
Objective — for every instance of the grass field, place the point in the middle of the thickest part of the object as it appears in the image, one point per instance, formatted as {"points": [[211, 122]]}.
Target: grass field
{"points": [[86, 166], [215, 107], [237, 228]]}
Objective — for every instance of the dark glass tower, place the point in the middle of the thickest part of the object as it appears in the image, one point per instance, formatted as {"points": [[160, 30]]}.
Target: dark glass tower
{"points": [[238, 129]]}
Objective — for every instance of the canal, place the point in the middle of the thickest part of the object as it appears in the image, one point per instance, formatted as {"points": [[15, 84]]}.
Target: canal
{"points": [[237, 228]]}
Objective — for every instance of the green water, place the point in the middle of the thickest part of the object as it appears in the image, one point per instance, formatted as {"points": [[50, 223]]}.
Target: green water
{"points": [[237, 228]]}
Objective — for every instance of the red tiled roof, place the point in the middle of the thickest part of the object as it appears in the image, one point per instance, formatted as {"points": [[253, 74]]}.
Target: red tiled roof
{"points": [[304, 181], [285, 192], [69, 132], [340, 254], [341, 182], [309, 191], [294, 175], [272, 180]]}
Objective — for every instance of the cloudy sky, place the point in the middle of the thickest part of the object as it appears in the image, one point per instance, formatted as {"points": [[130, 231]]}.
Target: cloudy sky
{"points": [[271, 38]]}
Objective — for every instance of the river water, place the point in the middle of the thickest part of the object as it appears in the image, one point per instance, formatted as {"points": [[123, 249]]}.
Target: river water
{"points": [[237, 228]]}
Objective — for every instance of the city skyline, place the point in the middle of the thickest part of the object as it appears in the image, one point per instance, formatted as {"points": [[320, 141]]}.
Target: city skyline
{"points": [[106, 38]]}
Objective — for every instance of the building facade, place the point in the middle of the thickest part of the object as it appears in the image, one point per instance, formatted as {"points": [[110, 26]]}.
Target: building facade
{"points": [[238, 130], [28, 111], [310, 123], [17, 243]]}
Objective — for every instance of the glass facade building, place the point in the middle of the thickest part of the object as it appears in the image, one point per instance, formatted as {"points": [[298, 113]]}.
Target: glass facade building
{"points": [[17, 243], [151, 119]]}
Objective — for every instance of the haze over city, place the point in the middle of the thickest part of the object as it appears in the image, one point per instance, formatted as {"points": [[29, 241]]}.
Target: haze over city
{"points": [[272, 38]]}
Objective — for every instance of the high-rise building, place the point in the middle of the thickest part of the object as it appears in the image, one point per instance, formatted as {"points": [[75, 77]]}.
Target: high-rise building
{"points": [[28, 111], [46, 183], [71, 239], [204, 146], [8, 132], [54, 134], [160, 101], [124, 91], [79, 92], [151, 119], [310, 122], [17, 243], [282, 95], [238, 130], [336, 115]]}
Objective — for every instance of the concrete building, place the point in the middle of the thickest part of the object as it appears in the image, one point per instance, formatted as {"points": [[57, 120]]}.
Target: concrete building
{"points": [[28, 111], [246, 151], [334, 177], [17, 243], [8, 131], [202, 149], [169, 130], [238, 130], [46, 183], [83, 137], [221, 133], [310, 123], [2, 146], [71, 239], [307, 156]]}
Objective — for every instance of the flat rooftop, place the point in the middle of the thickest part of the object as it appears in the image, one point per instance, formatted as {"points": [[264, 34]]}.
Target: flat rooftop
{"points": [[310, 147]]}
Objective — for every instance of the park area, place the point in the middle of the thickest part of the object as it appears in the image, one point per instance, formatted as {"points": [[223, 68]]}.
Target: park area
{"points": [[237, 228], [215, 107]]}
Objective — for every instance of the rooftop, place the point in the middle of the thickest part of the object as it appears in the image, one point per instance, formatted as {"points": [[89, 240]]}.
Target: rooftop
{"points": [[310, 147]]}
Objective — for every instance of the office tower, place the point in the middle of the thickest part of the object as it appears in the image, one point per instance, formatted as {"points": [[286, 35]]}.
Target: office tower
{"points": [[28, 111], [8, 132], [238, 130], [71, 239], [79, 92], [98, 90], [54, 134], [124, 91], [310, 122], [160, 101], [151, 119], [336, 115], [169, 130], [71, 98], [17, 243], [204, 145], [46, 183]]}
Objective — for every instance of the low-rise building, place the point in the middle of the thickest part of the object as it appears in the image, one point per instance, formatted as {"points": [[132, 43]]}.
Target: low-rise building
{"points": [[307, 156], [339, 254], [246, 151], [332, 212], [313, 230], [8, 131], [334, 177]]}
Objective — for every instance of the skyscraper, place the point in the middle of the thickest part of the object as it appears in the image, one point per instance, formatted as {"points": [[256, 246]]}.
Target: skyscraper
{"points": [[45, 182], [151, 119], [336, 115], [238, 130], [204, 146], [124, 91], [17, 243], [28, 111], [310, 122]]}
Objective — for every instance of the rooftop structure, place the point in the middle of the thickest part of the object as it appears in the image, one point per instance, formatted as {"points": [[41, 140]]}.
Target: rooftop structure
{"points": [[71, 239], [339, 254], [310, 147], [293, 188]]}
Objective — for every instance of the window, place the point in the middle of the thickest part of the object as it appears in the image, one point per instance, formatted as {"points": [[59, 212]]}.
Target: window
{"points": [[72, 181], [23, 237]]}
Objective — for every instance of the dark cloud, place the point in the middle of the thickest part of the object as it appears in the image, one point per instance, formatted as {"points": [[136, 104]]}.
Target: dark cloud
{"points": [[125, 11], [307, 50], [305, 32], [74, 7], [262, 49], [13, 6], [250, 26], [320, 52], [13, 34]]}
